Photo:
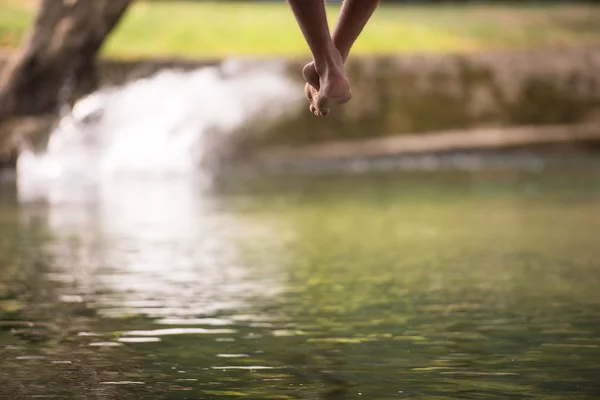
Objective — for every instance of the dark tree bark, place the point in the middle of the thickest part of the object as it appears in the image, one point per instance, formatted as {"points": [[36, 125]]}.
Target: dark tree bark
{"points": [[57, 63]]}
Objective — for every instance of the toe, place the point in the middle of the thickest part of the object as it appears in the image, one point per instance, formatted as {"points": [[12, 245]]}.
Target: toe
{"points": [[323, 112], [308, 93], [319, 105]]}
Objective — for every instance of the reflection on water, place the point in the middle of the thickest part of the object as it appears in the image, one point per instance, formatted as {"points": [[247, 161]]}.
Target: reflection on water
{"points": [[134, 245], [423, 285], [163, 256]]}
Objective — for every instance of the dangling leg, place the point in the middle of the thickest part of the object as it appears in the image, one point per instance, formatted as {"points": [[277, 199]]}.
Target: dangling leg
{"points": [[331, 79], [354, 15]]}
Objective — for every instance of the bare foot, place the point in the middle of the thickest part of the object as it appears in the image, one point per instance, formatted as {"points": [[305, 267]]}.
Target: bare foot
{"points": [[311, 89], [327, 85]]}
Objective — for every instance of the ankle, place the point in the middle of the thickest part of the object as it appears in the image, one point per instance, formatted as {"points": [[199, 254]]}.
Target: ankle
{"points": [[332, 61], [342, 48]]}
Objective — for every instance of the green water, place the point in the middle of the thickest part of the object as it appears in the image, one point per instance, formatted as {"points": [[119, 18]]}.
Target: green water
{"points": [[480, 284]]}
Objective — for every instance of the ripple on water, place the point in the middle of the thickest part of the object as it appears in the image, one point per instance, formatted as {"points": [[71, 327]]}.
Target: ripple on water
{"points": [[195, 321], [287, 332], [224, 393], [105, 344], [245, 367], [30, 357], [148, 339], [88, 334], [179, 331], [232, 355], [571, 345]]}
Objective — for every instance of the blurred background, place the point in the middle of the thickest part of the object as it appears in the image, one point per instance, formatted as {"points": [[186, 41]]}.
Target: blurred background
{"points": [[420, 67], [176, 224]]}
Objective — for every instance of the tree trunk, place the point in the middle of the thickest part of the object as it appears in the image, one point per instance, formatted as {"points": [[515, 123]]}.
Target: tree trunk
{"points": [[57, 63]]}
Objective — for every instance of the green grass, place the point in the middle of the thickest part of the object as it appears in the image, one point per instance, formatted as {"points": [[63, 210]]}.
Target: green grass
{"points": [[220, 29], [14, 20]]}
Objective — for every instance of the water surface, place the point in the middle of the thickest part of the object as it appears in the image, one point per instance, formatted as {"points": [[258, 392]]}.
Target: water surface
{"points": [[469, 284]]}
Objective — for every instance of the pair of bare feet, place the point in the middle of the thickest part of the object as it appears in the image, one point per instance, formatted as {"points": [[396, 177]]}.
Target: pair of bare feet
{"points": [[327, 84]]}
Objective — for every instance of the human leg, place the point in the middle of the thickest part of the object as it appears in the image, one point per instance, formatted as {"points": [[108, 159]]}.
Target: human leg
{"points": [[354, 16], [333, 84]]}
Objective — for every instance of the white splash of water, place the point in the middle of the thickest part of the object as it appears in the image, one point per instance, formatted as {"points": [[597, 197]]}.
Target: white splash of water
{"points": [[170, 125]]}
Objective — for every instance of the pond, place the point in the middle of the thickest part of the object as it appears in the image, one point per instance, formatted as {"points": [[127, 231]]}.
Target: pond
{"points": [[472, 283]]}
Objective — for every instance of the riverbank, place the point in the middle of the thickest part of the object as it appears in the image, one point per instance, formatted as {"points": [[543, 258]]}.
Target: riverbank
{"points": [[561, 138], [423, 94], [407, 96]]}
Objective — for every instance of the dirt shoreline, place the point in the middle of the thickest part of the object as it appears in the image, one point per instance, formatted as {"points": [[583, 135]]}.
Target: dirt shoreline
{"points": [[433, 143]]}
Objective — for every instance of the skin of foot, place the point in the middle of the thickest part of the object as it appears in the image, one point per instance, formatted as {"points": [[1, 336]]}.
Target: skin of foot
{"points": [[327, 84]]}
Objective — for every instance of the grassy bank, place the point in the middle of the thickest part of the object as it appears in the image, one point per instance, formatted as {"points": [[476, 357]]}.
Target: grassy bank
{"points": [[220, 29]]}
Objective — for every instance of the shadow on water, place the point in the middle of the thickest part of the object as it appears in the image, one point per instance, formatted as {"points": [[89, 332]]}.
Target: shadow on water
{"points": [[431, 285]]}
